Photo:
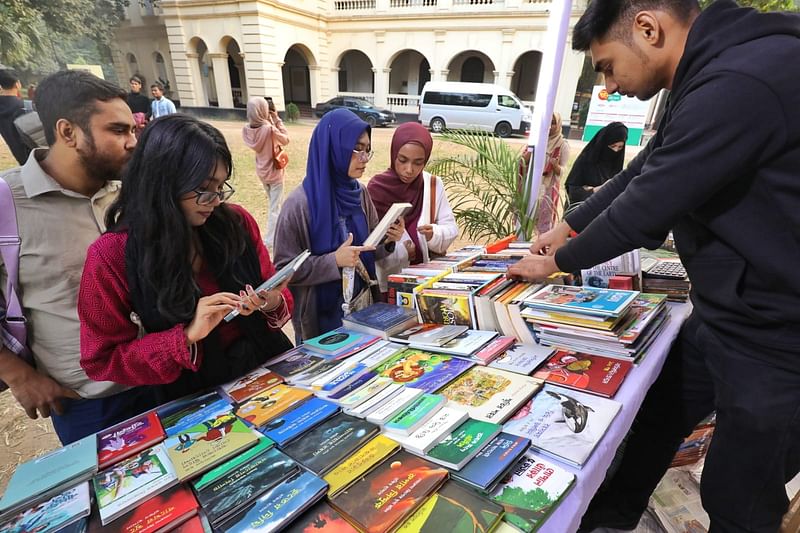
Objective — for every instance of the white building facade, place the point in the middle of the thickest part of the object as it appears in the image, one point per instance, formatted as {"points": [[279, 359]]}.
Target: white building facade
{"points": [[218, 53]]}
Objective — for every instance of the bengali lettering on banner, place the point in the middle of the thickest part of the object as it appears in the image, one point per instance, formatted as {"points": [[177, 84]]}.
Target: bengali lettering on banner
{"points": [[606, 108]]}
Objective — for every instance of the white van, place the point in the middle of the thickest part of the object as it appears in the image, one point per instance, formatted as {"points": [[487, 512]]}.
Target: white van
{"points": [[484, 106]]}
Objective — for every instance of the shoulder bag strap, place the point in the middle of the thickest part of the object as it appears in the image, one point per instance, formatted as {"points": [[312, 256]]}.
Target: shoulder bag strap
{"points": [[9, 249], [432, 219]]}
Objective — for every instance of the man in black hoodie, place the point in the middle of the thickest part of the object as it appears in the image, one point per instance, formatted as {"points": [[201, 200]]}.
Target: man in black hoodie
{"points": [[723, 172], [10, 108]]}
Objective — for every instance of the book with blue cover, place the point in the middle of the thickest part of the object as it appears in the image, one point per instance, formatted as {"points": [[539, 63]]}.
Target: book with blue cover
{"points": [[279, 506], [294, 423], [582, 300], [55, 514], [47, 475], [333, 341], [294, 362], [353, 386], [381, 319], [183, 413], [493, 462], [423, 370]]}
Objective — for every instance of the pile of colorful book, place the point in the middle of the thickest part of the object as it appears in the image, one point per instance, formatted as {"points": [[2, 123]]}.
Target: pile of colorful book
{"points": [[611, 322]]}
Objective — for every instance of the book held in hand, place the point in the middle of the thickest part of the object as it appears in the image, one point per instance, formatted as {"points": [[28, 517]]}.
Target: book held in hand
{"points": [[394, 212]]}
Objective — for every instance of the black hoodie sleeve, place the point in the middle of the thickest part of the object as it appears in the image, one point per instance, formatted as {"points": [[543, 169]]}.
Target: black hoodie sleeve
{"points": [[724, 126]]}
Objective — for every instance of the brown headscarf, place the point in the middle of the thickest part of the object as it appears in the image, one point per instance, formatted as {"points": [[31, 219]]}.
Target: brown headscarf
{"points": [[387, 188]]}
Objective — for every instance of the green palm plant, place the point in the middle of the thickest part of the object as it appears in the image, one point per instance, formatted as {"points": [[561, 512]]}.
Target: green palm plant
{"points": [[488, 196]]}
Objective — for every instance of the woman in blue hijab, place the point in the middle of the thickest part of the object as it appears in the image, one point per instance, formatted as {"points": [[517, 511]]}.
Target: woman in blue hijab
{"points": [[331, 214]]}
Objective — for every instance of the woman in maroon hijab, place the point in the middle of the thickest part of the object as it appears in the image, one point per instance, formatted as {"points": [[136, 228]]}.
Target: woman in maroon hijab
{"points": [[430, 224]]}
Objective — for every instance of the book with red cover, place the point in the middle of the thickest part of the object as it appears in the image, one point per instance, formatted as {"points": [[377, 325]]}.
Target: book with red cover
{"points": [[586, 372], [251, 384], [160, 513], [128, 438]]}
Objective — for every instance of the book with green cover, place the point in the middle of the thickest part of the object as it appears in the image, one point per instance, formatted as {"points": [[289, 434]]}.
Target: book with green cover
{"points": [[416, 414], [464, 443], [263, 444], [532, 491], [362, 461], [203, 446], [454, 509]]}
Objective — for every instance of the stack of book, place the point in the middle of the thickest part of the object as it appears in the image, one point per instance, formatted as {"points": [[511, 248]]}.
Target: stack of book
{"points": [[614, 323]]}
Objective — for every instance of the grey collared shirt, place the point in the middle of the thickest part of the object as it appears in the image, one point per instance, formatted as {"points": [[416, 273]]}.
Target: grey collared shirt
{"points": [[56, 227]]}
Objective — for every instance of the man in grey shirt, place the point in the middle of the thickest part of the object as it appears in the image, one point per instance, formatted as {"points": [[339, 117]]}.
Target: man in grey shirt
{"points": [[61, 195]]}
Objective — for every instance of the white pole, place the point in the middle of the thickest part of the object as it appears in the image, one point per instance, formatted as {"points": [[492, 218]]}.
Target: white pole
{"points": [[549, 74]]}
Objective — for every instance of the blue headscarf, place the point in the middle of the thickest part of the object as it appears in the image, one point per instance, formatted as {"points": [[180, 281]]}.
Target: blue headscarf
{"points": [[333, 195]]}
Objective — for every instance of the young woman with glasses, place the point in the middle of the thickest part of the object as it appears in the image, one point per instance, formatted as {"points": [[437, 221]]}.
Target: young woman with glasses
{"points": [[175, 260], [330, 214]]}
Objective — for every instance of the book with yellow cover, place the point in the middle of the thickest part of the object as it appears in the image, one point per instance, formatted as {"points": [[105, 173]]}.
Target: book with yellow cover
{"points": [[357, 465], [271, 403], [205, 445]]}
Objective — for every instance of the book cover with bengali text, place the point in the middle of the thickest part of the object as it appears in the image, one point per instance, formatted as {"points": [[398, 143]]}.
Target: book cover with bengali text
{"points": [[523, 358], [490, 394], [205, 445], [463, 443], [128, 438], [294, 362], [279, 506], [434, 430], [330, 443], [302, 418], [389, 494], [413, 416], [251, 384], [531, 492], [423, 370], [322, 518], [362, 461], [581, 371], [50, 516], [454, 509], [185, 412], [487, 468], [229, 466], [159, 513], [271, 403]]}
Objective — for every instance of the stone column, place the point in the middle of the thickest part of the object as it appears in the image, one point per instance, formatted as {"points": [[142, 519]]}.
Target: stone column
{"points": [[381, 86], [222, 79], [195, 79], [314, 83]]}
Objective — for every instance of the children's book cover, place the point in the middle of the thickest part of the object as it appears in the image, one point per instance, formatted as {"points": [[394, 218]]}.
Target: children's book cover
{"points": [[133, 481], [271, 403], [322, 518], [185, 412], [159, 513], [229, 466], [331, 442], [532, 491], [128, 438], [45, 475], [415, 415], [51, 515], [523, 358], [447, 309], [205, 445], [493, 350], [279, 506], [294, 362], [563, 423], [490, 394], [495, 459], [231, 492], [643, 311], [423, 370], [581, 371], [251, 384], [463, 443], [590, 300], [438, 427], [294, 423], [454, 509], [384, 498], [362, 461]]}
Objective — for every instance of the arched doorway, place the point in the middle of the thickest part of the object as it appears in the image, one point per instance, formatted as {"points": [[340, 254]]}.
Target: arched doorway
{"points": [[236, 72], [526, 76], [205, 88], [409, 72], [296, 76], [471, 66], [355, 75], [133, 66], [160, 71]]}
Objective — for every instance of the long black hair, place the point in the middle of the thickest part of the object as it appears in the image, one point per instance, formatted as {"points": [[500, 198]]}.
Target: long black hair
{"points": [[175, 155]]}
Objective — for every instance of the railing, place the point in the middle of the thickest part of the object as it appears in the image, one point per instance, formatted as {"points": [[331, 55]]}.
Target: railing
{"points": [[412, 3], [403, 103], [476, 2], [353, 5], [369, 97]]}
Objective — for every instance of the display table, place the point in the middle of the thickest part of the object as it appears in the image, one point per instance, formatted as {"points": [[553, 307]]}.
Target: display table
{"points": [[567, 516]]}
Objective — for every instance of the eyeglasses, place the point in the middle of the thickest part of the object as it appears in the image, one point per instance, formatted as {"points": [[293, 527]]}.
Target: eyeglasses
{"points": [[208, 197], [363, 155]]}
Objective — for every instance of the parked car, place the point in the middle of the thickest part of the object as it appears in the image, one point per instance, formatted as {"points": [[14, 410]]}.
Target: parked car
{"points": [[483, 106], [368, 112]]}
